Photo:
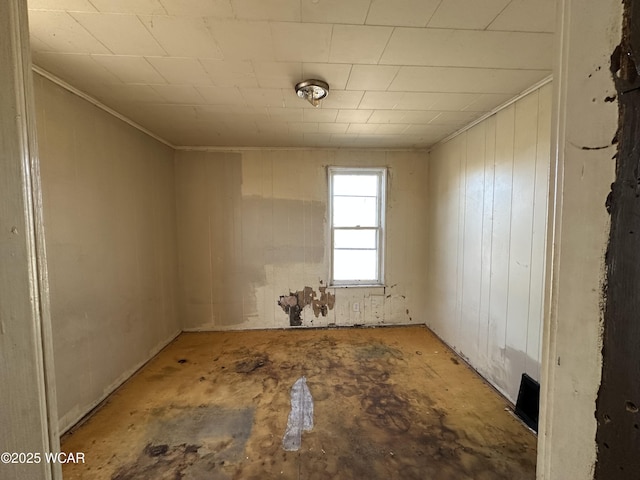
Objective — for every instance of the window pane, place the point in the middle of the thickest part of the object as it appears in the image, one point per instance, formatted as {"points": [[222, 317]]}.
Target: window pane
{"points": [[355, 265], [355, 238], [355, 211], [365, 185]]}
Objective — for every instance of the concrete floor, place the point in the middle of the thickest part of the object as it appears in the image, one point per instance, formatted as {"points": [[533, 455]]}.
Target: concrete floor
{"points": [[389, 403]]}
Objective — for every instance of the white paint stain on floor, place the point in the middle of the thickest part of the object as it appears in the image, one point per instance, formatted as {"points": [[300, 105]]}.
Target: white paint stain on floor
{"points": [[300, 416]]}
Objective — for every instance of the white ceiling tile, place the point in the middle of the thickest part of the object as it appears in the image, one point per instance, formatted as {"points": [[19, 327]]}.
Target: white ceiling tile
{"points": [[60, 5], [464, 14], [184, 135], [383, 141], [273, 10], [175, 113], [402, 116], [209, 113], [415, 101], [63, 33], [277, 74], [230, 73], [157, 115], [279, 114], [127, 94], [390, 128], [344, 139], [430, 131], [371, 77], [419, 101], [309, 127], [335, 74], [273, 128], [335, 11], [487, 102], [242, 40], [465, 80], [218, 111], [239, 138], [231, 79], [408, 13], [291, 42], [353, 116], [181, 71], [455, 118], [199, 8], [450, 48], [384, 100], [38, 45], [412, 141], [221, 96], [76, 69], [317, 139], [527, 16], [453, 101], [361, 128], [122, 34], [270, 137], [319, 115], [358, 44], [342, 99], [129, 69], [332, 127], [263, 97], [184, 94], [183, 36], [241, 119], [145, 7]]}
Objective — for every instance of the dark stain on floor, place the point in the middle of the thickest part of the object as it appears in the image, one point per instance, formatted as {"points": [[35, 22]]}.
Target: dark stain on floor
{"points": [[248, 365], [160, 462], [218, 437], [381, 411]]}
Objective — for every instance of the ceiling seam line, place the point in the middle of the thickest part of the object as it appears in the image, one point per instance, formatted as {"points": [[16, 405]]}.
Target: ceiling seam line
{"points": [[89, 32], [496, 17]]}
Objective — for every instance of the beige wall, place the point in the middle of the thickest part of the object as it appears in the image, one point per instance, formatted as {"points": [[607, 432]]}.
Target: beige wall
{"points": [[109, 210], [252, 227], [488, 190]]}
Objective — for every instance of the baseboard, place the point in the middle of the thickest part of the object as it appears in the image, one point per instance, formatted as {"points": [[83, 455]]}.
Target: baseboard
{"points": [[303, 327]]}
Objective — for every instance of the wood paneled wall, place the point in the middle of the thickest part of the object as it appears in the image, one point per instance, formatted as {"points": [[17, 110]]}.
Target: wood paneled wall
{"points": [[488, 196], [109, 211]]}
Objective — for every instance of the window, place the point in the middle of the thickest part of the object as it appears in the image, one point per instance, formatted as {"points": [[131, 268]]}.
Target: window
{"points": [[357, 205]]}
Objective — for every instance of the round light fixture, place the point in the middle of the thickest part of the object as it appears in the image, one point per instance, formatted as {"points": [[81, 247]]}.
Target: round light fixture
{"points": [[313, 91]]}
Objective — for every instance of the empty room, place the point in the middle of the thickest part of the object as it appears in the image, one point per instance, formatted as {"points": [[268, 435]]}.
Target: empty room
{"points": [[309, 239]]}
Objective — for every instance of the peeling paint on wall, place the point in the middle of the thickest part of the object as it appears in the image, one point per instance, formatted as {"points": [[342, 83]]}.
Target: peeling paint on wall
{"points": [[294, 303], [617, 436]]}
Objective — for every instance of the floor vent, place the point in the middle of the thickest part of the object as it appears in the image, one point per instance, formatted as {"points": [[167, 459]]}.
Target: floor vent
{"points": [[528, 403]]}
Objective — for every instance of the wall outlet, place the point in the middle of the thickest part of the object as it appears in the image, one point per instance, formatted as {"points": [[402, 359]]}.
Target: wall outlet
{"points": [[356, 307]]}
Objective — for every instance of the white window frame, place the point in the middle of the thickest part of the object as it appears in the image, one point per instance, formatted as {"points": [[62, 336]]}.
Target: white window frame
{"points": [[381, 173]]}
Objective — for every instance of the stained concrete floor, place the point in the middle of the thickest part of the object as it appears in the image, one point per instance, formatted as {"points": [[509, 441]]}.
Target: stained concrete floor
{"points": [[390, 403]]}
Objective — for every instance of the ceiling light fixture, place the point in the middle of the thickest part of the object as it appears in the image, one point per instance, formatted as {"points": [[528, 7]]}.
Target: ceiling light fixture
{"points": [[313, 91]]}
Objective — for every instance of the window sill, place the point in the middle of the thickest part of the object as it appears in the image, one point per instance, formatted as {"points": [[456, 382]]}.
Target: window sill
{"points": [[374, 288]]}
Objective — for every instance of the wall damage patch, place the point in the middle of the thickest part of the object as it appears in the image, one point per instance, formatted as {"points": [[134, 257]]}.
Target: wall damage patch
{"points": [[618, 417], [295, 302]]}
